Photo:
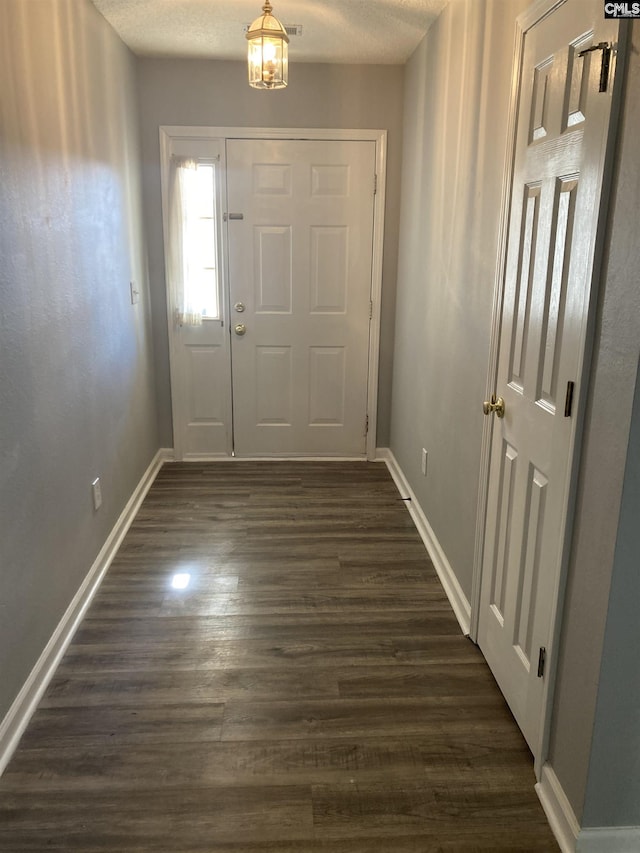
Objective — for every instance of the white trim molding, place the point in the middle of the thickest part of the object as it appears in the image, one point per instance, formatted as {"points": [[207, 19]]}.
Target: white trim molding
{"points": [[223, 457], [565, 826], [557, 808], [15, 722], [455, 594]]}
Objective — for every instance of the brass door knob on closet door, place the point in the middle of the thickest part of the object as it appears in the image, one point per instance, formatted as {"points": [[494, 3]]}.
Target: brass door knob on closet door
{"points": [[495, 404], [240, 329]]}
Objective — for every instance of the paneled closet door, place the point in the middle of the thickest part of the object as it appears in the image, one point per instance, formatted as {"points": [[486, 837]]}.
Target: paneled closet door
{"points": [[561, 143]]}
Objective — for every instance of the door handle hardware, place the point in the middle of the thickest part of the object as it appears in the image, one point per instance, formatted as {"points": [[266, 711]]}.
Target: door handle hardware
{"points": [[240, 329], [239, 307], [236, 216], [495, 404]]}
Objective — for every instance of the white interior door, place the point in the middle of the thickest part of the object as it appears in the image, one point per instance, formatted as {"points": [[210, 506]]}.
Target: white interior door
{"points": [[300, 235], [561, 137]]}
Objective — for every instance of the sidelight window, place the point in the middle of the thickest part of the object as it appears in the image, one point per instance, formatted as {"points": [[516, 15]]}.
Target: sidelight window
{"points": [[194, 270]]}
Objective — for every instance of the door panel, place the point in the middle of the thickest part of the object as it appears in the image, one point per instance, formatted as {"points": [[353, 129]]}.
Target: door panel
{"points": [[300, 263], [203, 362], [328, 269], [272, 269], [559, 160], [204, 395], [274, 386]]}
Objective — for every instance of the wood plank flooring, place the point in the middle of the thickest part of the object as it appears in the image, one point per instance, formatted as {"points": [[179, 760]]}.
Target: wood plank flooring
{"points": [[309, 690]]}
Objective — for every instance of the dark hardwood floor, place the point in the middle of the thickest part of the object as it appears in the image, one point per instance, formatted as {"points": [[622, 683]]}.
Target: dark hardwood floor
{"points": [[309, 690]]}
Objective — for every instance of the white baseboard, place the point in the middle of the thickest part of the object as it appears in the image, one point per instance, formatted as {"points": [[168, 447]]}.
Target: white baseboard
{"points": [[273, 457], [457, 598], [618, 839], [557, 808], [565, 826], [14, 723]]}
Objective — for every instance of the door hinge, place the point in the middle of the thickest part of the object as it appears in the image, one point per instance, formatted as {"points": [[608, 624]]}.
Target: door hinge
{"points": [[605, 65], [370, 308], [366, 425], [542, 658], [375, 183], [568, 400]]}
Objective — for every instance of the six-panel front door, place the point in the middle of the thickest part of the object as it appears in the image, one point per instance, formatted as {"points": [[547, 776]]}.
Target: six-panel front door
{"points": [[560, 148], [300, 233]]}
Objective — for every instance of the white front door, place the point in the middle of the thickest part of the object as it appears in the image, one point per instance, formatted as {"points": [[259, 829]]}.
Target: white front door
{"points": [[561, 139], [300, 235]]}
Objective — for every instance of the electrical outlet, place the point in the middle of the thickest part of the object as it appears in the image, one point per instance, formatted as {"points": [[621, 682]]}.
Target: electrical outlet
{"points": [[97, 493], [424, 462], [135, 293]]}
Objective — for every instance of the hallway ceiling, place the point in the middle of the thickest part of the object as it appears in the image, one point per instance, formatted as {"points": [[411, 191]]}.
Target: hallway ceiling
{"points": [[351, 31]]}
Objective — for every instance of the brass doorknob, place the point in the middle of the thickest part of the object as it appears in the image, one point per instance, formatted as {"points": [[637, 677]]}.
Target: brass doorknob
{"points": [[495, 404], [240, 329]]}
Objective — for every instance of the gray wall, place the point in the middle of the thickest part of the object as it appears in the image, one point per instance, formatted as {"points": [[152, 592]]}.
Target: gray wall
{"points": [[457, 90], [76, 369], [457, 87], [613, 789], [210, 93]]}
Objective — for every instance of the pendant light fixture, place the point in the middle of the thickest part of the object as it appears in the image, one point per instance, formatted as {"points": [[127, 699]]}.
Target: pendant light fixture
{"points": [[268, 52]]}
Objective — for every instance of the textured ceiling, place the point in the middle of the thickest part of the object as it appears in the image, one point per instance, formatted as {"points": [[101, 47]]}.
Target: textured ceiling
{"points": [[352, 31]]}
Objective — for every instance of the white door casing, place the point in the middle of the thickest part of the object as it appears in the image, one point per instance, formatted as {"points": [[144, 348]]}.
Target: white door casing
{"points": [[187, 141], [300, 262], [560, 151]]}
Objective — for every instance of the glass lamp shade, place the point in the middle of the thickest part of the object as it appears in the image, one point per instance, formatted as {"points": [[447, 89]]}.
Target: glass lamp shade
{"points": [[268, 52]]}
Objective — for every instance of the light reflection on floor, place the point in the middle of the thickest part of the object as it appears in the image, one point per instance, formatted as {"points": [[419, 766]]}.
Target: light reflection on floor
{"points": [[181, 580]]}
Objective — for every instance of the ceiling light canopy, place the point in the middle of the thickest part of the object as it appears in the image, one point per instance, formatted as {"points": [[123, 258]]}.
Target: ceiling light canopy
{"points": [[268, 52]]}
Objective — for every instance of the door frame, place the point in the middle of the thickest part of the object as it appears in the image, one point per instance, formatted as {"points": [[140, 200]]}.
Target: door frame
{"points": [[172, 134], [539, 10]]}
